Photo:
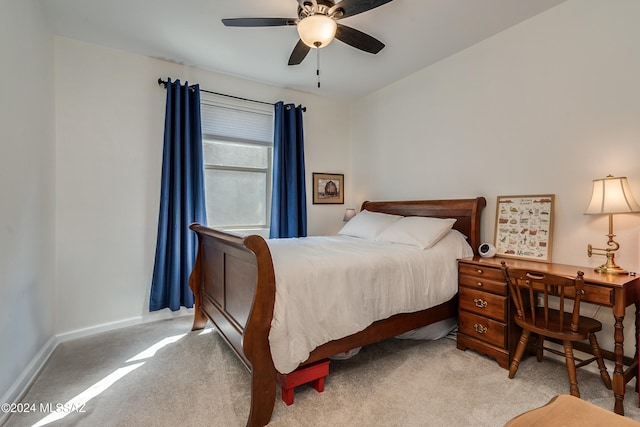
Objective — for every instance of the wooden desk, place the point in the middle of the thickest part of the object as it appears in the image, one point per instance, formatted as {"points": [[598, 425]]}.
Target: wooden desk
{"points": [[616, 292]]}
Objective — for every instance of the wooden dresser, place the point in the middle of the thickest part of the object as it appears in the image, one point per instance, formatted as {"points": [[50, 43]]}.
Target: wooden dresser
{"points": [[485, 319]]}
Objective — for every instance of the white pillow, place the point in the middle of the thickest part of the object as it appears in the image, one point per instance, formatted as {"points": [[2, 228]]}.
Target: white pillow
{"points": [[423, 232], [368, 225]]}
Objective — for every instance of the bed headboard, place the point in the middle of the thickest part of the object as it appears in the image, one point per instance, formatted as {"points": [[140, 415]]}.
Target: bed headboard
{"points": [[467, 212]]}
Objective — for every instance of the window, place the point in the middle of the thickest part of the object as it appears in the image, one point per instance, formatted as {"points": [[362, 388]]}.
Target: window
{"points": [[237, 141]]}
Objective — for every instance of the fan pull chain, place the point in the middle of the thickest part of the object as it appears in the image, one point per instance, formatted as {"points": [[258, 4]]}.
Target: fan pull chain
{"points": [[318, 62]]}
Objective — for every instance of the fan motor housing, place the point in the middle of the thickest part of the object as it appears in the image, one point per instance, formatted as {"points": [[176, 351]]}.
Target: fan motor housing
{"points": [[323, 9]]}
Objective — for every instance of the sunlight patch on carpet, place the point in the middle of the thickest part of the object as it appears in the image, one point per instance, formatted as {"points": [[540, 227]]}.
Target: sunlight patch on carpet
{"points": [[151, 351], [78, 403]]}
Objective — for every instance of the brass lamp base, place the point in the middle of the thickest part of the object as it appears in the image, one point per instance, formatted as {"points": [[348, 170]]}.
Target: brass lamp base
{"points": [[606, 269], [609, 267]]}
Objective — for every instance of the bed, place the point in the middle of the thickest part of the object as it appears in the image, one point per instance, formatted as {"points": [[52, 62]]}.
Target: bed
{"points": [[234, 283]]}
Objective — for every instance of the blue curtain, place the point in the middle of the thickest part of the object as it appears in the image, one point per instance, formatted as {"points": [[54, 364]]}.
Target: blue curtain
{"points": [[288, 199], [182, 199]]}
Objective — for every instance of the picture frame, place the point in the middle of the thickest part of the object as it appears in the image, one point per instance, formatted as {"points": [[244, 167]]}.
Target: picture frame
{"points": [[328, 188], [524, 227]]}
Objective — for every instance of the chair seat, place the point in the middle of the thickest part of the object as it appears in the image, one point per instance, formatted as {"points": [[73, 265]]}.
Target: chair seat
{"points": [[553, 330]]}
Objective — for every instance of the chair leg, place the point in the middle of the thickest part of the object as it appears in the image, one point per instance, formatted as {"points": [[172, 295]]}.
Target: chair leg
{"points": [[522, 345], [539, 348], [571, 368], [606, 379]]}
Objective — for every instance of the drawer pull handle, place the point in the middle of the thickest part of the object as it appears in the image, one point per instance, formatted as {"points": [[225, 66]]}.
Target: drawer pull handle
{"points": [[479, 284], [480, 303], [480, 328], [479, 271]]}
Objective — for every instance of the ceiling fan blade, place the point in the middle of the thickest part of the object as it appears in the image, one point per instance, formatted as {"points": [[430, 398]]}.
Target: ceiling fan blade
{"points": [[358, 39], [354, 7], [299, 53], [258, 22]]}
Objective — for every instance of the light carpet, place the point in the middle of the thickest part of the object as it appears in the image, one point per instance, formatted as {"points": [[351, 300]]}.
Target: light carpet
{"points": [[161, 374]]}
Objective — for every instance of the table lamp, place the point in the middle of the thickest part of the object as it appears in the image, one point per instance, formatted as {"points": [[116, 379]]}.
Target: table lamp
{"points": [[611, 195], [348, 214]]}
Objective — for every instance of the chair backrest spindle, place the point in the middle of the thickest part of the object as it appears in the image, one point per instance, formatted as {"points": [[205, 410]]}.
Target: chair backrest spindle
{"points": [[576, 301]]}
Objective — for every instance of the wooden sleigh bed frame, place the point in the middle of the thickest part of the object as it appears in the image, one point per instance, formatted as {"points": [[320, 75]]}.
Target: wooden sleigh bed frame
{"points": [[234, 286]]}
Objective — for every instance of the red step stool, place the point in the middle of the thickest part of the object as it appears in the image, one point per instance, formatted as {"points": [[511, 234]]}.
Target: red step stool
{"points": [[313, 373]]}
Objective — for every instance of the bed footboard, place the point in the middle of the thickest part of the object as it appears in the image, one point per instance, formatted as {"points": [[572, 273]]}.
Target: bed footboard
{"points": [[234, 286]]}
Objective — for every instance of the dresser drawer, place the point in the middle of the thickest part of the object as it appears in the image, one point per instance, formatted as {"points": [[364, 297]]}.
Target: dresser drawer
{"points": [[483, 303], [484, 329], [489, 279], [482, 283]]}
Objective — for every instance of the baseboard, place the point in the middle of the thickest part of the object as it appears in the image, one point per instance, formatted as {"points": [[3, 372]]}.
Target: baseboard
{"points": [[28, 376], [105, 327]]}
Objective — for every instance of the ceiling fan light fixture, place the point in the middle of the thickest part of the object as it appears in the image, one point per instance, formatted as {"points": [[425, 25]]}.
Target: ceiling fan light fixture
{"points": [[317, 31]]}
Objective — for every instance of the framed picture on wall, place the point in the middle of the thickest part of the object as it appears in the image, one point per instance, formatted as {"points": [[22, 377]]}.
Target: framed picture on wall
{"points": [[524, 227], [328, 188]]}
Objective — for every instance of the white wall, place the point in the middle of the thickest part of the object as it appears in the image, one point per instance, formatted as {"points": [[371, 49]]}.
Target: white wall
{"points": [[27, 163], [110, 118], [542, 108]]}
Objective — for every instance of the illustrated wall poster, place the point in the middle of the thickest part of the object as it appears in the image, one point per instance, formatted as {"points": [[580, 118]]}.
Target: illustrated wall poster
{"points": [[524, 227]]}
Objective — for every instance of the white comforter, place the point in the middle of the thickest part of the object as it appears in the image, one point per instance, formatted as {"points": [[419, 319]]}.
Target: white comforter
{"points": [[331, 287]]}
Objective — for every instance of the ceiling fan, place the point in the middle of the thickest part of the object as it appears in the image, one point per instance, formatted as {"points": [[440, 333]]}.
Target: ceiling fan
{"points": [[317, 26]]}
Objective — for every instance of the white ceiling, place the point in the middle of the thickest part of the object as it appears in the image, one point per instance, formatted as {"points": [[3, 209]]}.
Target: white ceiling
{"points": [[417, 33]]}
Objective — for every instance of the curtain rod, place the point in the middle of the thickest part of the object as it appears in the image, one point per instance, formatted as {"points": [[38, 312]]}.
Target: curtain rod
{"points": [[164, 83]]}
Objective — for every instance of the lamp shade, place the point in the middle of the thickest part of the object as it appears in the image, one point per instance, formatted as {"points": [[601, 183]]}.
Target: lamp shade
{"points": [[612, 195], [317, 30], [348, 214]]}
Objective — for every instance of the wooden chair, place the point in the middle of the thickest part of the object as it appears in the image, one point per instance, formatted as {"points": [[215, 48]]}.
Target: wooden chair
{"points": [[530, 291]]}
